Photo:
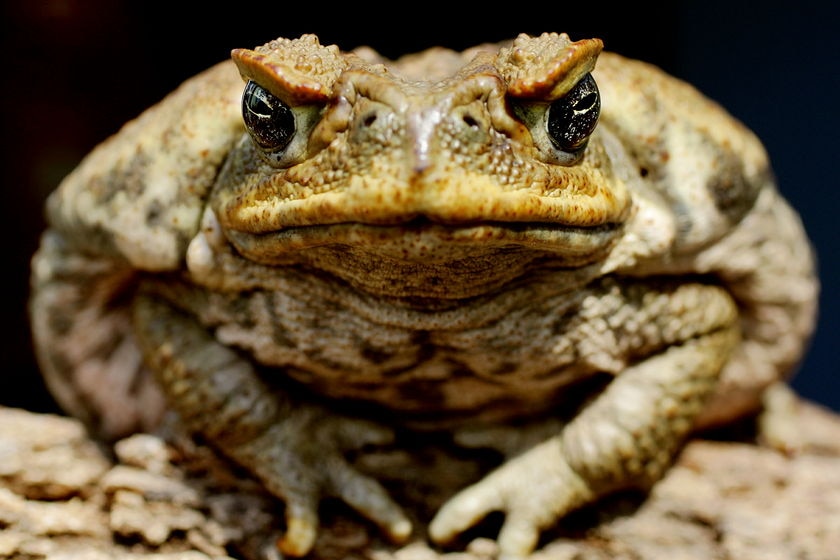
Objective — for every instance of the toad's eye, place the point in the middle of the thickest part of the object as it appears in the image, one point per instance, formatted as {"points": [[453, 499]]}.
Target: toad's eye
{"points": [[270, 122], [572, 118]]}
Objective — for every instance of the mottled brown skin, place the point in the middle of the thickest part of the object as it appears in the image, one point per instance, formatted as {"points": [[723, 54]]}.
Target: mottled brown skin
{"points": [[424, 252]]}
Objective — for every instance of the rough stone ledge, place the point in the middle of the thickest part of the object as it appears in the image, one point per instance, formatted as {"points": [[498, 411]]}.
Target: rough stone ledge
{"points": [[65, 497]]}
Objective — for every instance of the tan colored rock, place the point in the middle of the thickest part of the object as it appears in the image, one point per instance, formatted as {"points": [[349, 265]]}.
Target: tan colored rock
{"points": [[721, 500]]}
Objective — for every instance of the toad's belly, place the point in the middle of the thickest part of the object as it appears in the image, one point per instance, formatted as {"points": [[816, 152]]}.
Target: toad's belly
{"points": [[515, 352]]}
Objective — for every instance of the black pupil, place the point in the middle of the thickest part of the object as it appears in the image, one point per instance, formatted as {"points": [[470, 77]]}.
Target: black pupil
{"points": [[269, 120], [572, 118], [586, 102]]}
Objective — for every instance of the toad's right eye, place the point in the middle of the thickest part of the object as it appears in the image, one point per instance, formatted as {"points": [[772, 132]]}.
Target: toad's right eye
{"points": [[269, 121], [572, 118]]}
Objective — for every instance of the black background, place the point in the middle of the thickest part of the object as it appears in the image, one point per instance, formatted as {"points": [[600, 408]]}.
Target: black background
{"points": [[74, 71]]}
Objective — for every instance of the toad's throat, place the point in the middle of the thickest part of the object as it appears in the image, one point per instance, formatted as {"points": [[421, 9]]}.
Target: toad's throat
{"points": [[420, 259]]}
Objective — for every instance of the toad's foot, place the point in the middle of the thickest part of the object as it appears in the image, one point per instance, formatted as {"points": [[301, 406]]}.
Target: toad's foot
{"points": [[779, 422], [625, 438], [302, 461], [296, 450], [534, 490]]}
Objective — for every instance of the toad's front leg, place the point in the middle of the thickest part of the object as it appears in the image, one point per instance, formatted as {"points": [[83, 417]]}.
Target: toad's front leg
{"points": [[625, 438], [295, 449]]}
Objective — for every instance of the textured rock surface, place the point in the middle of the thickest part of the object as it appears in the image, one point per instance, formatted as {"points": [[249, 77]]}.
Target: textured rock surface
{"points": [[63, 497]]}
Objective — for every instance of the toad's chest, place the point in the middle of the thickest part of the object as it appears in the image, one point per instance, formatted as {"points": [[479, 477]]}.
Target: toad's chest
{"points": [[519, 349]]}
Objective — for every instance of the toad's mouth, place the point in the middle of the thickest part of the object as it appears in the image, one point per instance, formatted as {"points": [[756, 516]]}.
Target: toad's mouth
{"points": [[434, 237], [559, 209]]}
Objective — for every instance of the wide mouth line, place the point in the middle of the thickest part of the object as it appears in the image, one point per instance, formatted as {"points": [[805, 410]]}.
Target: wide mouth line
{"points": [[421, 224]]}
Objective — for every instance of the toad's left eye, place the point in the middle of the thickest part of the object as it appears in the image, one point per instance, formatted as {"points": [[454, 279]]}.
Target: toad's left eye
{"points": [[572, 118], [269, 120]]}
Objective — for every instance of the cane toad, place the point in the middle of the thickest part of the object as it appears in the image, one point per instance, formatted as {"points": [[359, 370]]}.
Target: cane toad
{"points": [[301, 250]]}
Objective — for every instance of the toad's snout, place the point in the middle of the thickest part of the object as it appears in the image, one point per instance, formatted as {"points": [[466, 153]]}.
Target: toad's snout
{"points": [[424, 125]]}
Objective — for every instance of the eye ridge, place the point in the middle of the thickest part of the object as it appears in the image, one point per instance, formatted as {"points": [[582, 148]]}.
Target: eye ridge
{"points": [[269, 120], [572, 118]]}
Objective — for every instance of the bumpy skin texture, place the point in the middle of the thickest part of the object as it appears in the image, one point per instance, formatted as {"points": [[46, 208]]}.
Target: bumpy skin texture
{"points": [[422, 255]]}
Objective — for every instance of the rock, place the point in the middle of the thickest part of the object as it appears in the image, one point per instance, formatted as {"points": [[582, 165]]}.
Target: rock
{"points": [[64, 496]]}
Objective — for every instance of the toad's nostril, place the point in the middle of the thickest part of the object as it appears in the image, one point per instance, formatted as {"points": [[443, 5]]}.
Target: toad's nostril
{"points": [[375, 124], [470, 121], [369, 120]]}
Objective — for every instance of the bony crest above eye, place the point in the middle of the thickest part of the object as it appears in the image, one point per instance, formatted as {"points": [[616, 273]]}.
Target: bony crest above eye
{"points": [[552, 92], [269, 121], [289, 81]]}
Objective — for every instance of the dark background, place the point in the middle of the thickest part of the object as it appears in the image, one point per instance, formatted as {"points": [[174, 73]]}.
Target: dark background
{"points": [[74, 71]]}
